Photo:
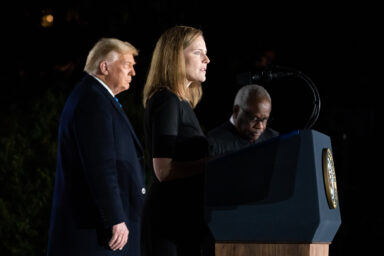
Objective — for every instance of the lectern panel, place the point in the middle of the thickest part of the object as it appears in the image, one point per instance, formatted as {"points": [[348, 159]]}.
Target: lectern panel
{"points": [[271, 192]]}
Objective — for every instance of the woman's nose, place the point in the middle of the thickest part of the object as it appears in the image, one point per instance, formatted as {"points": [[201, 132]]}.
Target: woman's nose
{"points": [[206, 59]]}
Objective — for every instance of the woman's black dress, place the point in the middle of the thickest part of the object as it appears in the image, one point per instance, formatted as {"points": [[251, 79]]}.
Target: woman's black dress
{"points": [[173, 222]]}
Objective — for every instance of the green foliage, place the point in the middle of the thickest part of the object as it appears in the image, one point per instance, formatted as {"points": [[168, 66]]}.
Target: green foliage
{"points": [[27, 169]]}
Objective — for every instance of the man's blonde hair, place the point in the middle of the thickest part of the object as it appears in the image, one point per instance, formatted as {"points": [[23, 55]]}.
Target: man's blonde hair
{"points": [[106, 49]]}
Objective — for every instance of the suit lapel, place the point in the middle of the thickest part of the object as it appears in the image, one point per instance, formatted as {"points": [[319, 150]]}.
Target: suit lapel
{"points": [[119, 110], [122, 113]]}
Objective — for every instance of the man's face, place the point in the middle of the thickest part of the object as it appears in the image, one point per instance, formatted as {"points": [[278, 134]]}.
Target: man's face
{"points": [[120, 73], [252, 122]]}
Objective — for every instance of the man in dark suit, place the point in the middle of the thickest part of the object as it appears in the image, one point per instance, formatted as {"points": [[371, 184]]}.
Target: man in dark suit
{"points": [[248, 122], [99, 186]]}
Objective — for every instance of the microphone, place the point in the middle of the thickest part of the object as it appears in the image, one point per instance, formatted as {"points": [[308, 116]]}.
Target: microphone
{"points": [[268, 75], [265, 75]]}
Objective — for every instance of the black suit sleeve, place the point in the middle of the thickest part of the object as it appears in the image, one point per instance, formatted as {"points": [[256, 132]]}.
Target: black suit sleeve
{"points": [[96, 143]]}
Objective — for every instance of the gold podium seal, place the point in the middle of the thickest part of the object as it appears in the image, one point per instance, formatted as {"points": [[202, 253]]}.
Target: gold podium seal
{"points": [[329, 178]]}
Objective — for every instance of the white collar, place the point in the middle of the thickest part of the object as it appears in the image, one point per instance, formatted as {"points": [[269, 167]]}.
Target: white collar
{"points": [[103, 84], [232, 120]]}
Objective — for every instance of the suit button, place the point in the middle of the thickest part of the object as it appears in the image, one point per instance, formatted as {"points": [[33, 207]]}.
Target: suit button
{"points": [[143, 191]]}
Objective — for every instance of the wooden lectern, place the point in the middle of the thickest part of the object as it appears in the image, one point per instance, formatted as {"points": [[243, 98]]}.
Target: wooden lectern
{"points": [[274, 198]]}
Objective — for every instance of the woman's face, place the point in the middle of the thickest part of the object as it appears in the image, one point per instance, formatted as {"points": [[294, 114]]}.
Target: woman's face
{"points": [[196, 61]]}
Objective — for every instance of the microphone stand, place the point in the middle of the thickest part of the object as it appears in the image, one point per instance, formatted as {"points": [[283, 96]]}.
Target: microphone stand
{"points": [[297, 73], [316, 102]]}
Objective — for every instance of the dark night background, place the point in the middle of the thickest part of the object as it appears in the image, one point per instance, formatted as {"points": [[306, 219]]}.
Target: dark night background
{"points": [[335, 45]]}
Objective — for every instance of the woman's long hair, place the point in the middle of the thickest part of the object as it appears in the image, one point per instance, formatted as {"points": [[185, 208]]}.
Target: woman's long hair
{"points": [[167, 68]]}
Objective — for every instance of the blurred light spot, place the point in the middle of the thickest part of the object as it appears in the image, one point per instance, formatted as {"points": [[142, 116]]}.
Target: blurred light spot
{"points": [[47, 19]]}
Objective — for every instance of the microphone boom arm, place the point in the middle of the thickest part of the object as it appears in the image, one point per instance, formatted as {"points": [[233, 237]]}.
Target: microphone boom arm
{"points": [[317, 102], [269, 74]]}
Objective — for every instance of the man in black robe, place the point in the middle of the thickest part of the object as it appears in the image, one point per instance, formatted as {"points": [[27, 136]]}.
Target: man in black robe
{"points": [[247, 124]]}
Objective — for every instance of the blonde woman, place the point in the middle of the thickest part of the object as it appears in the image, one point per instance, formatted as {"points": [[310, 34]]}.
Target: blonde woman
{"points": [[173, 213]]}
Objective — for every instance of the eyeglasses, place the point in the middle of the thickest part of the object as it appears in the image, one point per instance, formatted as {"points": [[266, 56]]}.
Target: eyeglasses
{"points": [[254, 120]]}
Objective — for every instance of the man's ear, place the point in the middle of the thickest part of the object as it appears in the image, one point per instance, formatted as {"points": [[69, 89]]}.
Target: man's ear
{"points": [[236, 110], [103, 66]]}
